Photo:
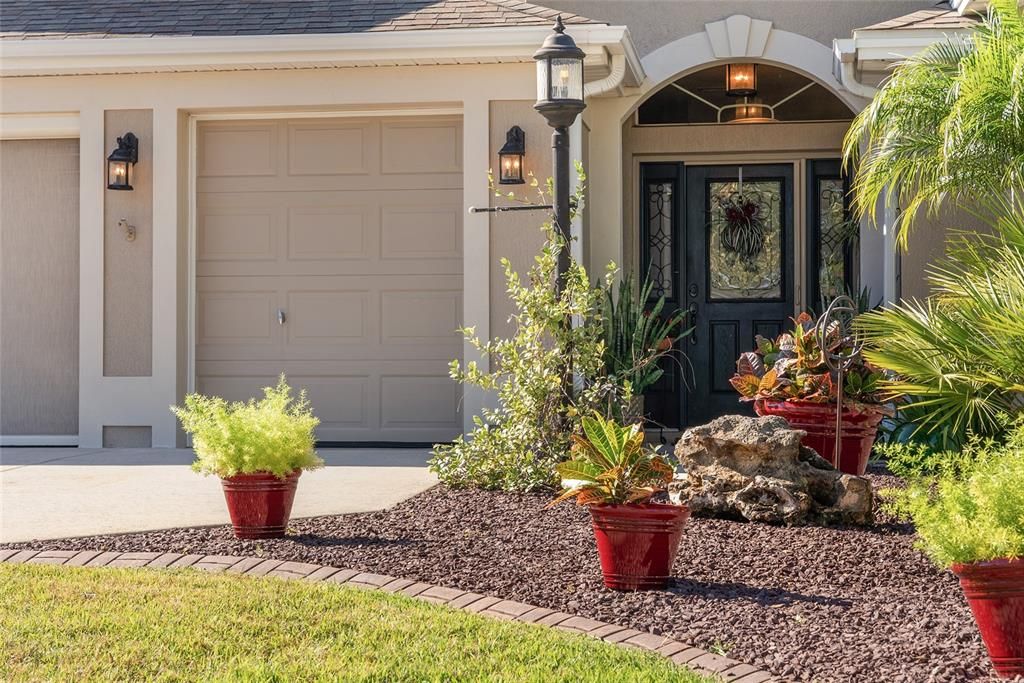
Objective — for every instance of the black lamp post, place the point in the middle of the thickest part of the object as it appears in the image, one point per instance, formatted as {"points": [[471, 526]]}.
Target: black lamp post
{"points": [[560, 101]]}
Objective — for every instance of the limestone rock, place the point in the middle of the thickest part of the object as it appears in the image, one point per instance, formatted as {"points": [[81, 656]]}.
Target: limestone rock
{"points": [[756, 469]]}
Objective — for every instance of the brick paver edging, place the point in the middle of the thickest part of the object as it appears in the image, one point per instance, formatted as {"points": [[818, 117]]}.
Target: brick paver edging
{"points": [[694, 658]]}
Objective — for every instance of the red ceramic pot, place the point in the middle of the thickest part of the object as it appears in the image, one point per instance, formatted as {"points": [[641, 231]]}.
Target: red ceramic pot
{"points": [[637, 543], [260, 503], [995, 592], [819, 421]]}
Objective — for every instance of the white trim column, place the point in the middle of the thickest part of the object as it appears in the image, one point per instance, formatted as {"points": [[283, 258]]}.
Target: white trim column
{"points": [[92, 181], [476, 256]]}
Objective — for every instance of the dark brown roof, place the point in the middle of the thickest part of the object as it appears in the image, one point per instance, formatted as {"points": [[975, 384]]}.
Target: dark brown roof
{"points": [[21, 19], [941, 17]]}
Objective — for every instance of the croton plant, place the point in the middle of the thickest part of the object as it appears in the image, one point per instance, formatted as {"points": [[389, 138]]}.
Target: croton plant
{"points": [[792, 368]]}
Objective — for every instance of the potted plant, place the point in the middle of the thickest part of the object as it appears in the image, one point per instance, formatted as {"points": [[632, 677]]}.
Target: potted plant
{"points": [[970, 518], [258, 449], [789, 377], [635, 340], [613, 473]]}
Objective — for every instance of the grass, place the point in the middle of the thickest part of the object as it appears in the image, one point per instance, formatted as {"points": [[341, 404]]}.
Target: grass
{"points": [[133, 625]]}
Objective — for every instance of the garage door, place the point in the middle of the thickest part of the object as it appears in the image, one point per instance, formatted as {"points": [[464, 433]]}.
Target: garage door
{"points": [[331, 250], [39, 292]]}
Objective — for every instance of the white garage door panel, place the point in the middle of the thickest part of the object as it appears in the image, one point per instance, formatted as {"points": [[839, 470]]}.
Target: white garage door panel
{"points": [[353, 229]]}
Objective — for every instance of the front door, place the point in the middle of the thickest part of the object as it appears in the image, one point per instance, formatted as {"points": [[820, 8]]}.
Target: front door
{"points": [[718, 242], [738, 273]]}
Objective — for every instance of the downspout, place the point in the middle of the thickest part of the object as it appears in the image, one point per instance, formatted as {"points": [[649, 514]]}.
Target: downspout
{"points": [[610, 82], [844, 62]]}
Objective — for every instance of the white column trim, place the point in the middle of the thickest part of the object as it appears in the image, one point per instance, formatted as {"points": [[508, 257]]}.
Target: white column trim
{"points": [[476, 257], [92, 182]]}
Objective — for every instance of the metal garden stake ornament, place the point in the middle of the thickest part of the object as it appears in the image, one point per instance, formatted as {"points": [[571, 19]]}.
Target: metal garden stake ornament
{"points": [[840, 348]]}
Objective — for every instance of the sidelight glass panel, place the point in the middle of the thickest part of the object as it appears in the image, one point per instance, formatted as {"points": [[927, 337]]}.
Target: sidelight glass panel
{"points": [[659, 239], [836, 234], [745, 239]]}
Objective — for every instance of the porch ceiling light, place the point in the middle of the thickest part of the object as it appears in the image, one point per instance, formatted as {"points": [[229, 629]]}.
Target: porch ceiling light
{"points": [[121, 163], [510, 157], [750, 111], [559, 78], [740, 80]]}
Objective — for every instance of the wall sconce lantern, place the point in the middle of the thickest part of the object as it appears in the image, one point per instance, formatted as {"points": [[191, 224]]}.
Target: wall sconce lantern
{"points": [[121, 163], [559, 78], [510, 157], [740, 80]]}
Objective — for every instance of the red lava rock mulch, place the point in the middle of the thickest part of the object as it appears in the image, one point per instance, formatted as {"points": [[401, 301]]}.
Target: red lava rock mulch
{"points": [[810, 604]]}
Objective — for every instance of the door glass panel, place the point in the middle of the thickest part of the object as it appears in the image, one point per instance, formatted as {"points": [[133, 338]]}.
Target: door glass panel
{"points": [[835, 236], [659, 238], [745, 239]]}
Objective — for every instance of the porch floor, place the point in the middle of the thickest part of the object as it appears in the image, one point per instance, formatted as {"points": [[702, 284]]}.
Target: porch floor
{"points": [[48, 493]]}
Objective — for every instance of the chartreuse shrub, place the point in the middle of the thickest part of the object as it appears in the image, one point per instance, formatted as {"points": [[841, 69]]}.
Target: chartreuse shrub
{"points": [[972, 508], [273, 434], [547, 374]]}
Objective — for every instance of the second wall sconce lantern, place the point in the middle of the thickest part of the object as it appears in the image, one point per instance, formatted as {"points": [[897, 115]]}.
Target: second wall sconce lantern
{"points": [[121, 163], [740, 80], [510, 157]]}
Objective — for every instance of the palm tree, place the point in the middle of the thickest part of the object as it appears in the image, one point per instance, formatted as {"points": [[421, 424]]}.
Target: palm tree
{"points": [[947, 126], [959, 356]]}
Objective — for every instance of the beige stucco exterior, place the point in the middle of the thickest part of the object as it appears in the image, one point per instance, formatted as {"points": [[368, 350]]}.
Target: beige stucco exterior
{"points": [[136, 301]]}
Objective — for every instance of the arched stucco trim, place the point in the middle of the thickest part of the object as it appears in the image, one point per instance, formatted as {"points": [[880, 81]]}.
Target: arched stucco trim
{"points": [[781, 48]]}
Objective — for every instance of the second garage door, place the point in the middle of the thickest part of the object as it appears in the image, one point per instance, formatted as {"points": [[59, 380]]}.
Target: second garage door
{"points": [[331, 250]]}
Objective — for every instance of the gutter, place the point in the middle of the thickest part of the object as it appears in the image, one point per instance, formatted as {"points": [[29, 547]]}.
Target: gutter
{"points": [[613, 81], [844, 62]]}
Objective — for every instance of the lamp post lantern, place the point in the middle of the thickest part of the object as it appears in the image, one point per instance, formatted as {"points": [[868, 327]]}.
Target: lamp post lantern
{"points": [[560, 101]]}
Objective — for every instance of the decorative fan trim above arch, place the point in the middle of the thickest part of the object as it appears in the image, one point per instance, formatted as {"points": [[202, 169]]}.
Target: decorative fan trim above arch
{"points": [[738, 36]]}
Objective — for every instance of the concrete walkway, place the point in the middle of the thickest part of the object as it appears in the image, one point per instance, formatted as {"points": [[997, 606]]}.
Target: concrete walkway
{"points": [[48, 493]]}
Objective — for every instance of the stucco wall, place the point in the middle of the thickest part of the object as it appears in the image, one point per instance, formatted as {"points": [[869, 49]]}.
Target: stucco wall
{"points": [[128, 265], [927, 243], [39, 287], [653, 23], [516, 235]]}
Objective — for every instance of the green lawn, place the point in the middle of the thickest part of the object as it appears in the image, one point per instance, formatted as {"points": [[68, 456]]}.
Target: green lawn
{"points": [[136, 625]]}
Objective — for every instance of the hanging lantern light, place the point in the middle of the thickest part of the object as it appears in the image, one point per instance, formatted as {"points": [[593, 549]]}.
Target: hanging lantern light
{"points": [[510, 157], [740, 80], [751, 110]]}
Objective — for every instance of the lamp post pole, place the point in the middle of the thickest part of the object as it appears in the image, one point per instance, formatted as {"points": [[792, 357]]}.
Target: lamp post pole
{"points": [[560, 201]]}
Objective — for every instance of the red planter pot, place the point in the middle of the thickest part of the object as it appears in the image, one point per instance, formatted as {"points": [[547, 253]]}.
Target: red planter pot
{"points": [[260, 503], [638, 543], [995, 592], [819, 421]]}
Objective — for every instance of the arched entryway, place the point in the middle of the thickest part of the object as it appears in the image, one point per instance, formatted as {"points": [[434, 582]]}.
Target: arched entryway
{"points": [[737, 210]]}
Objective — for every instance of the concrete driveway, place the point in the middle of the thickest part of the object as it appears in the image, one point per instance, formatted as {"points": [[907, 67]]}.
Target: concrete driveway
{"points": [[50, 493]]}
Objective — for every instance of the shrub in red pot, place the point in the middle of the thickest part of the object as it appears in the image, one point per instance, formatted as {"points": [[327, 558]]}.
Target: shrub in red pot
{"points": [[613, 473], [258, 449], [970, 518], [788, 377]]}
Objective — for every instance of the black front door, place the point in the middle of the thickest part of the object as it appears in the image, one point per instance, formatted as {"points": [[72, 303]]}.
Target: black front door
{"points": [[719, 240]]}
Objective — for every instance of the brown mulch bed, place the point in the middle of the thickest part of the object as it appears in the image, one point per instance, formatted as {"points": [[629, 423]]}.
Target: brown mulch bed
{"points": [[810, 604]]}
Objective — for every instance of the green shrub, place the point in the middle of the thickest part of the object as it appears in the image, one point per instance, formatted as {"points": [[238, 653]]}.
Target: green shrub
{"points": [[972, 508], [273, 434], [546, 375]]}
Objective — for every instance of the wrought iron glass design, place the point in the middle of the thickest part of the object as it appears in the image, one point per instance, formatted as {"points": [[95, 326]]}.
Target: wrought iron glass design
{"points": [[659, 239], [745, 239], [836, 236]]}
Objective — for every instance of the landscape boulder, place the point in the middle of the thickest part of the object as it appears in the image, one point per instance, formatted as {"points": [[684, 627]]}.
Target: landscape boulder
{"points": [[755, 468]]}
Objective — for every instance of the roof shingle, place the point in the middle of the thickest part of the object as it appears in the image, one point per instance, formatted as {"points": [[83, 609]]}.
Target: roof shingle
{"points": [[27, 19], [941, 17]]}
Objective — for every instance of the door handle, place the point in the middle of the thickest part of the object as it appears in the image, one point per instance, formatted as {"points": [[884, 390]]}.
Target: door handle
{"points": [[280, 316], [692, 311]]}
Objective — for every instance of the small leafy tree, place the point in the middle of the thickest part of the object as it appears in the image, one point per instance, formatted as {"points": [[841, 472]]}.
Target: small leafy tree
{"points": [[557, 337]]}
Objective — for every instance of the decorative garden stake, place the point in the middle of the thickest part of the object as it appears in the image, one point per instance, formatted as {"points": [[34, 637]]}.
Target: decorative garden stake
{"points": [[840, 349]]}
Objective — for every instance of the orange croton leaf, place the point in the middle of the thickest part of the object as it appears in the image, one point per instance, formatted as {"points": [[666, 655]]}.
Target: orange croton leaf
{"points": [[746, 385], [768, 382]]}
